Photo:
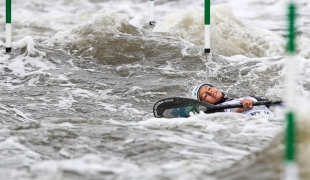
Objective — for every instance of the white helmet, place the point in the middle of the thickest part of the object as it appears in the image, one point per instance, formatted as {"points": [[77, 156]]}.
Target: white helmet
{"points": [[195, 94]]}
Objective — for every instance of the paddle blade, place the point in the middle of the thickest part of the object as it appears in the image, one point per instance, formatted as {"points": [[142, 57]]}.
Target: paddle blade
{"points": [[177, 107]]}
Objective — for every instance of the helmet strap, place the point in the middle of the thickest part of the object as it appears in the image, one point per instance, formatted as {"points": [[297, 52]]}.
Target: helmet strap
{"points": [[223, 99]]}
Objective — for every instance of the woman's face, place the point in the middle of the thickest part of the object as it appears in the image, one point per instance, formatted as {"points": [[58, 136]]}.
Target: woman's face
{"points": [[210, 94]]}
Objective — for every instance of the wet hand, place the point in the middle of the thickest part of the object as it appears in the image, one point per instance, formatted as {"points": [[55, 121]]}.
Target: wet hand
{"points": [[247, 105]]}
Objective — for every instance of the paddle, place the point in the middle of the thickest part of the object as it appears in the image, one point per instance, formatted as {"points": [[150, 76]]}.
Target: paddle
{"points": [[181, 107]]}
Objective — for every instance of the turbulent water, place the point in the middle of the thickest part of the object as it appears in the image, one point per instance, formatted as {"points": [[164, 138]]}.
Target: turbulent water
{"points": [[76, 102]]}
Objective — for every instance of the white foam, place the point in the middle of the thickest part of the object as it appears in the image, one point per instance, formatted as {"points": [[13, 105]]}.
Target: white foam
{"points": [[66, 124], [28, 43], [82, 93], [20, 154], [65, 102], [219, 134], [127, 108], [88, 164], [108, 106], [16, 113], [218, 122], [31, 64]]}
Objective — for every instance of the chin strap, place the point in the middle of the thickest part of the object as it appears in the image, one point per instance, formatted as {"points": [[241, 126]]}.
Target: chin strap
{"points": [[223, 99]]}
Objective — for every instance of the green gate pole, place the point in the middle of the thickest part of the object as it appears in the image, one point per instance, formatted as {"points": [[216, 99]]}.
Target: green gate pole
{"points": [[8, 26], [207, 26], [290, 165]]}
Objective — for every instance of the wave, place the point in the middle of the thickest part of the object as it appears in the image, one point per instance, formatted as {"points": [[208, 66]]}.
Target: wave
{"points": [[229, 35], [109, 38]]}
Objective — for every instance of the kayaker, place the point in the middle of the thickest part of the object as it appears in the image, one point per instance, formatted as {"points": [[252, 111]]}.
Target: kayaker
{"points": [[210, 94]]}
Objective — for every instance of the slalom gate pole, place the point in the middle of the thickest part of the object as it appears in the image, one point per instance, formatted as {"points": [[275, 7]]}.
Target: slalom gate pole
{"points": [[290, 165], [8, 26], [152, 22], [207, 26]]}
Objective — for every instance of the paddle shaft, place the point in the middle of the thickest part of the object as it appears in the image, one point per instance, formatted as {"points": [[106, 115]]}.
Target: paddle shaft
{"points": [[229, 106]]}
